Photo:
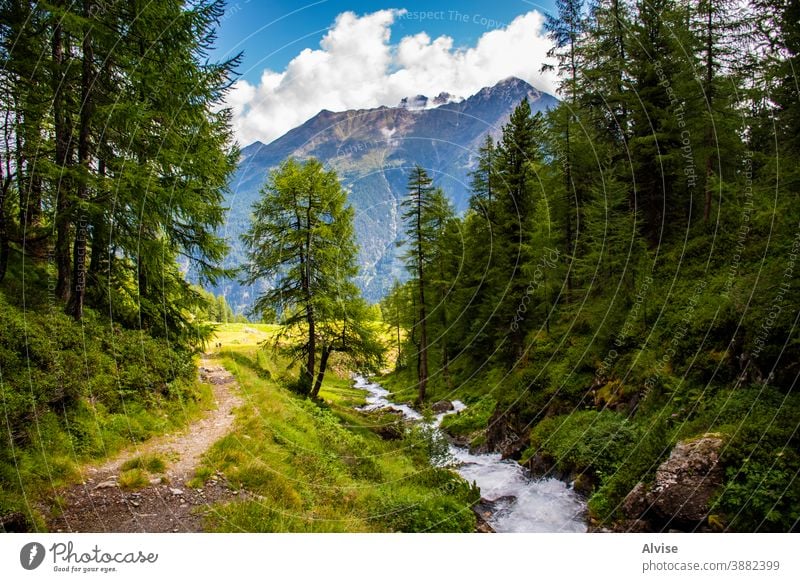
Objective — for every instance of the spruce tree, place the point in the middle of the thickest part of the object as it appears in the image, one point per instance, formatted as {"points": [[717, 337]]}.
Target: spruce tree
{"points": [[419, 215], [518, 150]]}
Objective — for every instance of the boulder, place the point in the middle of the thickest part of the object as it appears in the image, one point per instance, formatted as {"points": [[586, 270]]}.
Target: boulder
{"points": [[635, 503], [391, 431], [14, 522], [635, 526], [680, 495], [540, 465], [485, 509], [442, 406], [506, 434], [583, 484], [686, 482]]}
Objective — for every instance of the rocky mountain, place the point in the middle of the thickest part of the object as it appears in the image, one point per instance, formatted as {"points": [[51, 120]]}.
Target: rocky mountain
{"points": [[373, 150]]}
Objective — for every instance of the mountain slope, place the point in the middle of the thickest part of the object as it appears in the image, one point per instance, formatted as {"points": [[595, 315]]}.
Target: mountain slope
{"points": [[372, 150]]}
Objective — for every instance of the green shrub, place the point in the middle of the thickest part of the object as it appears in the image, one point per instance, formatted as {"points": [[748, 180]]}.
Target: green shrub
{"points": [[471, 420], [70, 392], [443, 505], [584, 440]]}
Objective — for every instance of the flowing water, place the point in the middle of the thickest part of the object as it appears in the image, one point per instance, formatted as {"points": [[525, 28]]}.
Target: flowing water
{"points": [[521, 504]]}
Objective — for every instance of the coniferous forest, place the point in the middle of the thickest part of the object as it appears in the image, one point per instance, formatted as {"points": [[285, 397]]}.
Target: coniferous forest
{"points": [[618, 301]]}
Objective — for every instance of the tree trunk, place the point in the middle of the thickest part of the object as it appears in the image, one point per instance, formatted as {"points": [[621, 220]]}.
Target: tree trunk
{"points": [[30, 219], [312, 348], [444, 323], [99, 264], [709, 90], [63, 133], [422, 357], [397, 361], [568, 217], [323, 365], [78, 294], [6, 182], [310, 316]]}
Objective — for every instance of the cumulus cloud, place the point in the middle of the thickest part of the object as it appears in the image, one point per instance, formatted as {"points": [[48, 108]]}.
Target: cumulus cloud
{"points": [[357, 67]]}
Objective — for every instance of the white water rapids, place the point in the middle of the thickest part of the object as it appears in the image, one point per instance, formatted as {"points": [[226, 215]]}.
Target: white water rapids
{"points": [[524, 504]]}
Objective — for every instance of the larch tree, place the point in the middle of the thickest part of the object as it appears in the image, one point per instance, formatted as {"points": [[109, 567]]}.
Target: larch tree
{"points": [[301, 242]]}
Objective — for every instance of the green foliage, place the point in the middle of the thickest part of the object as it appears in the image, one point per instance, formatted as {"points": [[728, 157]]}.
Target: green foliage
{"points": [[302, 238], [320, 468], [761, 492], [628, 263], [442, 509], [72, 392], [125, 172], [472, 420], [586, 440]]}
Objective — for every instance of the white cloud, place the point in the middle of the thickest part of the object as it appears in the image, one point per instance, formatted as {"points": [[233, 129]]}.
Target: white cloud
{"points": [[357, 67]]}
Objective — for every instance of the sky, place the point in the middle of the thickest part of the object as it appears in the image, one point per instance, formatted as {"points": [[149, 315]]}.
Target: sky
{"points": [[302, 57]]}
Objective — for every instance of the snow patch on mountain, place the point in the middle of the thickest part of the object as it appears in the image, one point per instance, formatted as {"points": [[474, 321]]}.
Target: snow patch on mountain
{"points": [[419, 102]]}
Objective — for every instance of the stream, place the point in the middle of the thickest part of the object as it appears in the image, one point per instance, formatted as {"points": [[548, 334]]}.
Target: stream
{"points": [[521, 504]]}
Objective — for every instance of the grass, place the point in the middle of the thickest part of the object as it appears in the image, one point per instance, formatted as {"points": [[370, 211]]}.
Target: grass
{"points": [[150, 463], [321, 467], [133, 479]]}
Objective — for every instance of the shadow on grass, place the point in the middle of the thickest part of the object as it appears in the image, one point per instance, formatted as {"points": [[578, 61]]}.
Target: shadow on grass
{"points": [[247, 362]]}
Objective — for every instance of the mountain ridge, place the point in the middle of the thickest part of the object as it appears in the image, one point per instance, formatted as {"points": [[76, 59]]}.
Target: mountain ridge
{"points": [[372, 151]]}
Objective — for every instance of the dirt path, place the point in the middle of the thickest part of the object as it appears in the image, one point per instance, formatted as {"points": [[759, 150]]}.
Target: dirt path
{"points": [[166, 505]]}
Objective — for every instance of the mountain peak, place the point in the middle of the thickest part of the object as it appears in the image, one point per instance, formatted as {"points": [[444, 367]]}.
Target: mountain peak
{"points": [[512, 80], [511, 84], [251, 149], [424, 102]]}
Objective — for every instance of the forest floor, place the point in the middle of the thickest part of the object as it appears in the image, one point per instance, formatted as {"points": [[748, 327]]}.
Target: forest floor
{"points": [[134, 493]]}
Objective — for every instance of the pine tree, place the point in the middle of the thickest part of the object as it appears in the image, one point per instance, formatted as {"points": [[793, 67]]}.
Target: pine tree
{"points": [[444, 267], [120, 138], [661, 188]]}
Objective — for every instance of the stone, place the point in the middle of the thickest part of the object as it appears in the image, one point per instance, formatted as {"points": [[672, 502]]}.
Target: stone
{"points": [[686, 482], [14, 522], [635, 526], [175, 491], [583, 484], [635, 503], [506, 434], [389, 432], [106, 484], [442, 406]]}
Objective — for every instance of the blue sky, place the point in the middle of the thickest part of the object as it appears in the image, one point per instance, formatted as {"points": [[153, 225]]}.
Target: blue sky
{"points": [[300, 57], [271, 33]]}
